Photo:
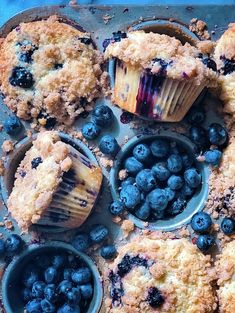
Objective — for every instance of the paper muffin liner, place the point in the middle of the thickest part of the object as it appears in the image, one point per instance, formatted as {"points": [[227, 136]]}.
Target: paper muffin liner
{"points": [[76, 194], [153, 96]]}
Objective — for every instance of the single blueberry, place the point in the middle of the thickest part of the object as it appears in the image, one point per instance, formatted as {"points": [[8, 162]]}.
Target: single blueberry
{"points": [[130, 196], [175, 182], [201, 222], [108, 145], [98, 233], [90, 131], [51, 275], [198, 136], [187, 161], [65, 286], [133, 166], [143, 212], [174, 163], [13, 243], [192, 177], [217, 134], [145, 180], [74, 296], [177, 206], [69, 308], [228, 226], [59, 260], [116, 208], [86, 291], [26, 295], [210, 63], [81, 275], [81, 242], [160, 171], [108, 252], [21, 77], [205, 242], [127, 181], [35, 162], [34, 306], [213, 157], [12, 125], [142, 153], [160, 148], [155, 298], [50, 293], [2, 247], [157, 199], [30, 275], [170, 194], [38, 289], [47, 306], [196, 115], [102, 116]]}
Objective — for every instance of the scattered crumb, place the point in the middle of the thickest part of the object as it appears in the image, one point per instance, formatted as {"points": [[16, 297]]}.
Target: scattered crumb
{"points": [[122, 174], [199, 27], [2, 168], [29, 133], [73, 2], [107, 18], [105, 162], [127, 227], [2, 224], [9, 225], [7, 146], [116, 219]]}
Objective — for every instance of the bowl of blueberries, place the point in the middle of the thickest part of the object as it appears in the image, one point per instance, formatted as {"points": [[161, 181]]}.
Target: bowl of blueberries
{"points": [[53, 277], [158, 181]]}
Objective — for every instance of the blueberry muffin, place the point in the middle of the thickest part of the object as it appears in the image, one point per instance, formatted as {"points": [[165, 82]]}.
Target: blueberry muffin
{"points": [[157, 76], [225, 59], [156, 275], [51, 185], [49, 70], [226, 278]]}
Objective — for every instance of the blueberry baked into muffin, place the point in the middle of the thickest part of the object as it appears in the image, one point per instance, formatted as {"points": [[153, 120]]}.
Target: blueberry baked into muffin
{"points": [[226, 278], [157, 275], [157, 76], [225, 59], [49, 70], [55, 185]]}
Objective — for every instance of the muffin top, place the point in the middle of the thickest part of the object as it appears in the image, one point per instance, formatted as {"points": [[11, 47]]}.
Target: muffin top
{"points": [[49, 69], [156, 275], [226, 278], [37, 178], [163, 55]]}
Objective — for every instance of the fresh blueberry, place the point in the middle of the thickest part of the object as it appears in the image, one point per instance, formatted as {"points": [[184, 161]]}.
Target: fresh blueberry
{"points": [[30, 276], [26, 295], [228, 226], [50, 293], [210, 63], [59, 260], [102, 116], [51, 275], [86, 291], [81, 242], [98, 233], [160, 148], [192, 177], [205, 242], [34, 306], [143, 212], [13, 243], [127, 181], [90, 131], [81, 275], [157, 199], [21, 77], [133, 166], [198, 136], [47, 306], [217, 134], [38, 289], [69, 308], [12, 125], [174, 163], [175, 182], [108, 145], [170, 194], [119, 35], [155, 298], [108, 252], [35, 162], [160, 171], [2, 247], [196, 115], [187, 161], [130, 196], [145, 180], [201, 222], [74, 296], [213, 157], [177, 206], [186, 191], [65, 286], [142, 153], [116, 208]]}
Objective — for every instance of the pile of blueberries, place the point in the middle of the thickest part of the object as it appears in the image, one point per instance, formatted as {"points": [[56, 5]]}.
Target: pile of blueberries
{"points": [[57, 282], [101, 117], [201, 223], [11, 245], [162, 178]]}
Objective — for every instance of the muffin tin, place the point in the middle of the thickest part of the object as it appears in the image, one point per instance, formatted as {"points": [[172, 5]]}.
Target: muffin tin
{"points": [[92, 19]]}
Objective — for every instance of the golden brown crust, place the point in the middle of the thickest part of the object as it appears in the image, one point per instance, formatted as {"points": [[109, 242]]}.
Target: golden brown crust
{"points": [[175, 267], [60, 92]]}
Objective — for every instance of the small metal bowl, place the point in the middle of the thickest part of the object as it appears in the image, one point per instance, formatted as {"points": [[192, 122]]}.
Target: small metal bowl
{"points": [[13, 160], [195, 204], [11, 290]]}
